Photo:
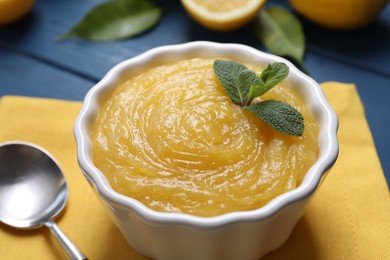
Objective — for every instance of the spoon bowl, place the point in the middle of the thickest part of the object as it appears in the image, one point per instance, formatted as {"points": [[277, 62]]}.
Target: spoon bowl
{"points": [[33, 190]]}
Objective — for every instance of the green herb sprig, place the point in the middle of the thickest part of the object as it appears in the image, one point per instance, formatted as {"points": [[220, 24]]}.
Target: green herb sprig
{"points": [[243, 85]]}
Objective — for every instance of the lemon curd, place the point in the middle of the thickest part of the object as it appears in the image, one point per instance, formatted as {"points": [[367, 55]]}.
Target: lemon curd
{"points": [[172, 139]]}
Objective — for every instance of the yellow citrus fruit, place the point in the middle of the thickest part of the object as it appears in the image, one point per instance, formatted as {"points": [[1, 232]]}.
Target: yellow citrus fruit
{"points": [[223, 15], [12, 10], [339, 14]]}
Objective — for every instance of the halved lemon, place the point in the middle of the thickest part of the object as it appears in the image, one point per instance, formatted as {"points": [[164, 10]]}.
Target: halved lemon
{"points": [[223, 15]]}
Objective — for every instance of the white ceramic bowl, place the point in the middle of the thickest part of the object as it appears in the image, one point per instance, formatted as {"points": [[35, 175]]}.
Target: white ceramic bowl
{"points": [[237, 235]]}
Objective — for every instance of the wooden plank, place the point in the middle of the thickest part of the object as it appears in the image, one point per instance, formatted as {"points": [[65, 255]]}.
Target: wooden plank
{"points": [[36, 35], [23, 76]]}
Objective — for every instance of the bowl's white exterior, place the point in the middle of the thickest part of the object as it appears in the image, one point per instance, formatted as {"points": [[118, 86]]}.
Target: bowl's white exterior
{"points": [[238, 235]]}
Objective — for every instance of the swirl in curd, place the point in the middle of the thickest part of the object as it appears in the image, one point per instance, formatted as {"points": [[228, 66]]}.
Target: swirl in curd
{"points": [[172, 139]]}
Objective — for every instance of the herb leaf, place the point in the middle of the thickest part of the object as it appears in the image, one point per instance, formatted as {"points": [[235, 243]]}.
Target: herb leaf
{"points": [[280, 116], [243, 85], [116, 19], [281, 33], [273, 74], [227, 73], [250, 84]]}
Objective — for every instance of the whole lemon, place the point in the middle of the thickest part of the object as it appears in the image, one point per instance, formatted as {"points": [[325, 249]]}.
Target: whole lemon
{"points": [[339, 14], [12, 10]]}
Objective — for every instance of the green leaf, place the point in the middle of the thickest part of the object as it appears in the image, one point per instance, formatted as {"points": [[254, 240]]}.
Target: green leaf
{"points": [[116, 19], [249, 83], [281, 33], [280, 116], [227, 73], [243, 85], [273, 75], [255, 91]]}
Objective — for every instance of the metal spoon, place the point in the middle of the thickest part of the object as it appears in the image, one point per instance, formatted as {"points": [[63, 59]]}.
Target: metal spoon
{"points": [[33, 190]]}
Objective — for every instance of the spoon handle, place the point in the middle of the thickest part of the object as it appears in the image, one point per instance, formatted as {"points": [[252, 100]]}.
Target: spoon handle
{"points": [[71, 249]]}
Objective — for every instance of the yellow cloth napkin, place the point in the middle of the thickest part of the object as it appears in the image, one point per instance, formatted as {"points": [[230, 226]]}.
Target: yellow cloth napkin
{"points": [[349, 218]]}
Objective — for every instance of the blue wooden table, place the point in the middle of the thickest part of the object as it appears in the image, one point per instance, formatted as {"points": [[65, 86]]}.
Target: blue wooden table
{"points": [[34, 63]]}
